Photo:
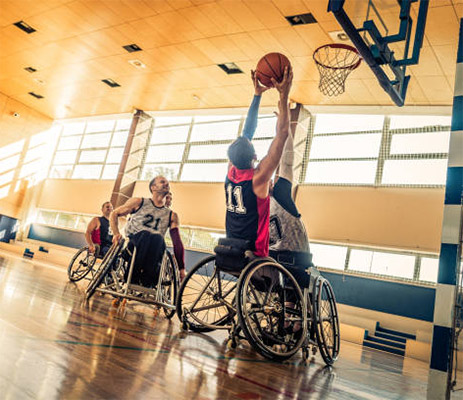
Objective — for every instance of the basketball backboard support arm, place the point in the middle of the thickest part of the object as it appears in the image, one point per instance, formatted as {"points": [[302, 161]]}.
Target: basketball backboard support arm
{"points": [[378, 54]]}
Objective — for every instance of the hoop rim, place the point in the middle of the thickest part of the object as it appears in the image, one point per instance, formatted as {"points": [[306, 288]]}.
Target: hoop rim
{"points": [[338, 46]]}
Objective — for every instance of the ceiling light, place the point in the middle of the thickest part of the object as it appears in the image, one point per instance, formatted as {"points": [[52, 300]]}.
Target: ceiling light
{"points": [[24, 27], [110, 83], [131, 48], [37, 96], [137, 64], [301, 19], [339, 36], [30, 69], [230, 68]]}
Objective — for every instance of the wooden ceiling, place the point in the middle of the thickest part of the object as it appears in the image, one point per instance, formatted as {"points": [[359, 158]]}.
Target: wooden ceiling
{"points": [[78, 43]]}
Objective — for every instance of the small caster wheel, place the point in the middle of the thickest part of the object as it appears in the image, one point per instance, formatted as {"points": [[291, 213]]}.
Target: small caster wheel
{"points": [[314, 350], [232, 344]]}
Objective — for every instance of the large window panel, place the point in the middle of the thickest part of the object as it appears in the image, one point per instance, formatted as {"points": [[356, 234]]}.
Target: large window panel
{"points": [[171, 134], [119, 138], [346, 146], [420, 143], [92, 156], [261, 147], [87, 171], [165, 153], [170, 171], [65, 157], [46, 217], [397, 265], [211, 172], [328, 256], [9, 163], [208, 152], [13, 148], [266, 127], [341, 172], [429, 268], [100, 126], [67, 220], [123, 124], [415, 172], [115, 155], [69, 143], [110, 171], [215, 131], [74, 128], [6, 178], [96, 140], [418, 121], [338, 123]]}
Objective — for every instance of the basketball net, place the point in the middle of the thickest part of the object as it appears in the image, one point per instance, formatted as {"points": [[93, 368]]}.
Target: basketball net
{"points": [[335, 62]]}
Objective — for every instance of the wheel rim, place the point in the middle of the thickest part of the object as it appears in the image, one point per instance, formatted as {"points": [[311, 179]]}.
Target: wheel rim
{"points": [[276, 327], [206, 295], [327, 321], [81, 264]]}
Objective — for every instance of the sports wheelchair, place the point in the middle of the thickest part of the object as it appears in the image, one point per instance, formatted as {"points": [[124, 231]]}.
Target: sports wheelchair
{"points": [[279, 307], [82, 263], [114, 277]]}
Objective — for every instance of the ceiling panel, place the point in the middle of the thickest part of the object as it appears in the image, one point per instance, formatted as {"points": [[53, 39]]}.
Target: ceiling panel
{"points": [[79, 42]]}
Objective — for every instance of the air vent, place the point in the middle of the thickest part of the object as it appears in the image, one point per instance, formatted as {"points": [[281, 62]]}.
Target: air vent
{"points": [[131, 48], [110, 82], [24, 27], [230, 68], [30, 69], [301, 19], [37, 96]]}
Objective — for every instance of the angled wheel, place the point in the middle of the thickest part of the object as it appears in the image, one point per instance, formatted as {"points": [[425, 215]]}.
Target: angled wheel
{"points": [[105, 267], [206, 295], [326, 321], [81, 264], [271, 310], [169, 284]]}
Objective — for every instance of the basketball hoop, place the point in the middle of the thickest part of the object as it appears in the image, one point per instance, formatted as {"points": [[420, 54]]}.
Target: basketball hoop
{"points": [[335, 62]]}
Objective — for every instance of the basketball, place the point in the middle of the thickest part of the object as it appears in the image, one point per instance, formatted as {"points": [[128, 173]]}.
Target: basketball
{"points": [[272, 65]]}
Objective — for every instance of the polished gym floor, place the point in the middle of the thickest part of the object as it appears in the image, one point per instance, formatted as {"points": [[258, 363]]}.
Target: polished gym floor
{"points": [[52, 346]]}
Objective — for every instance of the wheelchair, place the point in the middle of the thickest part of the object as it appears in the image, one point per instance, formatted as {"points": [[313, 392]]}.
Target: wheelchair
{"points": [[82, 263], [114, 277], [273, 305]]}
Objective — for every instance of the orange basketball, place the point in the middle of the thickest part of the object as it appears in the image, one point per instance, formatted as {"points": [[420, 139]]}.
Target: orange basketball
{"points": [[271, 65]]}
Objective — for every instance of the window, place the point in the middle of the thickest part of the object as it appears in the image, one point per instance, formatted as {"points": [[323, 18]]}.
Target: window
{"points": [[328, 256], [418, 121], [337, 123], [341, 172], [345, 146], [204, 172], [170, 171], [215, 131], [415, 172], [420, 143], [171, 134], [91, 171], [428, 269], [208, 152], [164, 153]]}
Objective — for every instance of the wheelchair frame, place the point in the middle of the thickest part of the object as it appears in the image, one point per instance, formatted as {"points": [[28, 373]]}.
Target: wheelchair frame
{"points": [[110, 279], [312, 299], [89, 260]]}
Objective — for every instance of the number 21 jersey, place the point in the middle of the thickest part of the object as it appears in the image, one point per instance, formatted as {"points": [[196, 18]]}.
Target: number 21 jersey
{"points": [[149, 218]]}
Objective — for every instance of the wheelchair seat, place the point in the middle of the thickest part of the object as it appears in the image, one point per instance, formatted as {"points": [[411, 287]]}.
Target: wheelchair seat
{"points": [[232, 255]]}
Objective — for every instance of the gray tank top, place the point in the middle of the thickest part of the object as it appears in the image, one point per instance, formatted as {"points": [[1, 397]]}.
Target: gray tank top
{"points": [[149, 218], [287, 232]]}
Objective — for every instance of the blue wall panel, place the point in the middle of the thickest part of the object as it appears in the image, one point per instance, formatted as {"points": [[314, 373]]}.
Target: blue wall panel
{"points": [[62, 237]]}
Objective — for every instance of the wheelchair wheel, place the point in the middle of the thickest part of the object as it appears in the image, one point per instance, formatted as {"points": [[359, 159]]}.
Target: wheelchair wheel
{"points": [[325, 317], [169, 282], [271, 310], [104, 269], [205, 298], [81, 264]]}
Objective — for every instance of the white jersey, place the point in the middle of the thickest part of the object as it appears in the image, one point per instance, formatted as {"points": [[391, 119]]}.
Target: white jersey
{"points": [[287, 232], [149, 218]]}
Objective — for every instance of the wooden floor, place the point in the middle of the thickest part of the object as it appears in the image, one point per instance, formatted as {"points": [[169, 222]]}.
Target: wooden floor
{"points": [[51, 346]]}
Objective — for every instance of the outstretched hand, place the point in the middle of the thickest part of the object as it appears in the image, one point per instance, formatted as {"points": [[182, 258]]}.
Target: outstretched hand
{"points": [[284, 86], [258, 87]]}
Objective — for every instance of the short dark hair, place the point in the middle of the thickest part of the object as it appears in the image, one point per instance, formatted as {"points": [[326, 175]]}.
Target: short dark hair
{"points": [[153, 181], [241, 153], [106, 202]]}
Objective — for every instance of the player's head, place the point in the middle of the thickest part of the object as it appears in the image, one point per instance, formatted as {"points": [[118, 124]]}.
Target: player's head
{"points": [[169, 199], [241, 153], [107, 208], [159, 184]]}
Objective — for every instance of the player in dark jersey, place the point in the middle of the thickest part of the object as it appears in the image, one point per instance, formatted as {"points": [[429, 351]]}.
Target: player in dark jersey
{"points": [[98, 234], [247, 188], [151, 215]]}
